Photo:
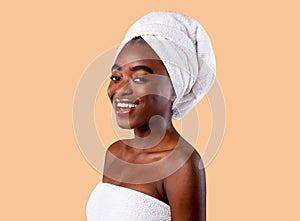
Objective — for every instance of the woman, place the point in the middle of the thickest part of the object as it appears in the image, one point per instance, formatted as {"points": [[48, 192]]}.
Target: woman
{"points": [[163, 68]]}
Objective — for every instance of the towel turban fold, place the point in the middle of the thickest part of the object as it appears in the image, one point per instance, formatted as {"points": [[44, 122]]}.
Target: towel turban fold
{"points": [[186, 51]]}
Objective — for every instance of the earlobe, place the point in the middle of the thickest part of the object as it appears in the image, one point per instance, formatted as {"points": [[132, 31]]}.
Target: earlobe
{"points": [[173, 94], [172, 98]]}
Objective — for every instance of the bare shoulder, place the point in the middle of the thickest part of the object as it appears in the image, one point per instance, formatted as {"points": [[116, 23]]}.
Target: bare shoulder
{"points": [[186, 190], [116, 147], [112, 153], [191, 171]]}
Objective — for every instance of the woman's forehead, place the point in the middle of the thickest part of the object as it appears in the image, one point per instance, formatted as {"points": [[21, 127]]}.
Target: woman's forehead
{"points": [[140, 54], [136, 52]]}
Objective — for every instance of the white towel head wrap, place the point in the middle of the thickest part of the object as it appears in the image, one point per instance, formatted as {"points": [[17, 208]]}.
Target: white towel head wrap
{"points": [[186, 51]]}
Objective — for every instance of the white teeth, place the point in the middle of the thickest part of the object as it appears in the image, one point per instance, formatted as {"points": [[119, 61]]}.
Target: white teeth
{"points": [[126, 105]]}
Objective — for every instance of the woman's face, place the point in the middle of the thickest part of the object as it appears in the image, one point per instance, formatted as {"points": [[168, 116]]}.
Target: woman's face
{"points": [[140, 86]]}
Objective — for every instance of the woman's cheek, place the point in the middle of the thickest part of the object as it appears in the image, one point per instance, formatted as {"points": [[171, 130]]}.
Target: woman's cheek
{"points": [[110, 92], [148, 88]]}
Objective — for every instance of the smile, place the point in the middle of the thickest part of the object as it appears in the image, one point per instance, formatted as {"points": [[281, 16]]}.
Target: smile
{"points": [[126, 105]]}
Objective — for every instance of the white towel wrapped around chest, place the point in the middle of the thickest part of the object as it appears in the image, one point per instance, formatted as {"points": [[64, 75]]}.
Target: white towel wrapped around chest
{"points": [[114, 203]]}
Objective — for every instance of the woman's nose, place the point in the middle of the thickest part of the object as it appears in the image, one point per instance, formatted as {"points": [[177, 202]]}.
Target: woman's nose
{"points": [[125, 88]]}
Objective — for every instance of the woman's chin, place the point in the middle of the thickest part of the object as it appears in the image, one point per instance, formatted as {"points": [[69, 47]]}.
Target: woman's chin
{"points": [[124, 124]]}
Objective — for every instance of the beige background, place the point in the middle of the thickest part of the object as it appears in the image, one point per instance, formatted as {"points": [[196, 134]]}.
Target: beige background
{"points": [[46, 46]]}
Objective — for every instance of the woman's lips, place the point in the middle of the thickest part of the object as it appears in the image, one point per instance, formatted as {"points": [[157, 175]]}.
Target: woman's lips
{"points": [[125, 106]]}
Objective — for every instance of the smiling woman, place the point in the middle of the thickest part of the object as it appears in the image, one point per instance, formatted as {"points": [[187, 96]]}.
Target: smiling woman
{"points": [[140, 87], [160, 72]]}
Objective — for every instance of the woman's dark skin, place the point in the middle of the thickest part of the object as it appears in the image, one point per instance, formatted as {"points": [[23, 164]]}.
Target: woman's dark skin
{"points": [[138, 75]]}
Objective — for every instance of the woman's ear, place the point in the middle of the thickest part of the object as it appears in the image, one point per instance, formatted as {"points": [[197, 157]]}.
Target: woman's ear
{"points": [[173, 95], [172, 98]]}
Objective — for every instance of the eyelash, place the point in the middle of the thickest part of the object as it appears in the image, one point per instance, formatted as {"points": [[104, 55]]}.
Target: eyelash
{"points": [[139, 80], [115, 78]]}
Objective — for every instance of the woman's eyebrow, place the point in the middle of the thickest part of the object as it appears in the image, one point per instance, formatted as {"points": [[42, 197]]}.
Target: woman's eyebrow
{"points": [[134, 68], [116, 67], [142, 67]]}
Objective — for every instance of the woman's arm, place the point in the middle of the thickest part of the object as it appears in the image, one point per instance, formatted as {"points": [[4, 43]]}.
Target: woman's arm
{"points": [[186, 191]]}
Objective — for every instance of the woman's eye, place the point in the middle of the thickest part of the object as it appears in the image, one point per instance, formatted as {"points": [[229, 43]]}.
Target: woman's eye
{"points": [[140, 80], [115, 78]]}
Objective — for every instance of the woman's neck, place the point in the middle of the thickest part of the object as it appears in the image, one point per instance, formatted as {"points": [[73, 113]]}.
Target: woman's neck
{"points": [[155, 134]]}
